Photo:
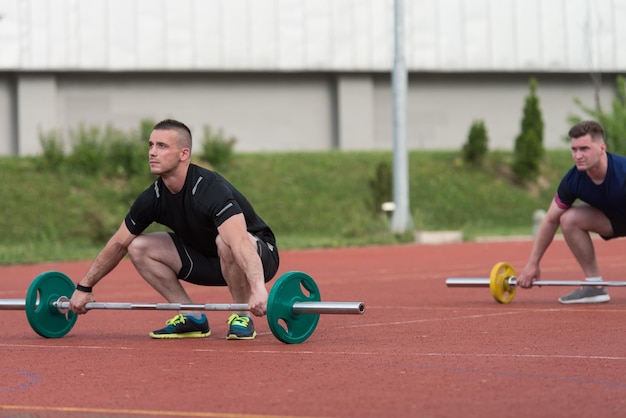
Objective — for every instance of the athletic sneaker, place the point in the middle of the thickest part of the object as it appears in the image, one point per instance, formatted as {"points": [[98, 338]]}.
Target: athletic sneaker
{"points": [[241, 328], [586, 294], [184, 326]]}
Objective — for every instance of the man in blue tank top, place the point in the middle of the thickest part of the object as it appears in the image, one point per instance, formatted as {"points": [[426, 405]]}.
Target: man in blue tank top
{"points": [[216, 239], [598, 182]]}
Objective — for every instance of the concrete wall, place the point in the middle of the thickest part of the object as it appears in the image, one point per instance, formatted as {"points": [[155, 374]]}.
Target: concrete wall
{"points": [[36, 104], [287, 112], [8, 137], [441, 108], [264, 112]]}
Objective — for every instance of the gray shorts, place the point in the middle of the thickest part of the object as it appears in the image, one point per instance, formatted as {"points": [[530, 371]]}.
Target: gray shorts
{"points": [[206, 271]]}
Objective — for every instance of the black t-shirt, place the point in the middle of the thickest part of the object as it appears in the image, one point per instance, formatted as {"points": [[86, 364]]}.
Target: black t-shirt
{"points": [[206, 200]]}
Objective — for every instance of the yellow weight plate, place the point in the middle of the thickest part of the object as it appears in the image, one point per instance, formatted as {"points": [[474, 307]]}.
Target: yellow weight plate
{"points": [[501, 291]]}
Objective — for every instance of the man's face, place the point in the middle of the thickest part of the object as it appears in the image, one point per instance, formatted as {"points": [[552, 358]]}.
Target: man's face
{"points": [[586, 152], [164, 154]]}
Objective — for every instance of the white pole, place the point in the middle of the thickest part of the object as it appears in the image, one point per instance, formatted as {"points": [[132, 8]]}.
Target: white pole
{"points": [[401, 219]]}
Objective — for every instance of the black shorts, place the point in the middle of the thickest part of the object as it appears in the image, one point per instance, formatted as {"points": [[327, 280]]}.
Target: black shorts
{"points": [[619, 228], [206, 271]]}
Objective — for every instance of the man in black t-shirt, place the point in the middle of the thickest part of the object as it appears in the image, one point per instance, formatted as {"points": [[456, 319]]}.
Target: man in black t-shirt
{"points": [[217, 239]]}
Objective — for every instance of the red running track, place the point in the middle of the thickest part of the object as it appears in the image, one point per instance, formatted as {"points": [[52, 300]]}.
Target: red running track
{"points": [[421, 349]]}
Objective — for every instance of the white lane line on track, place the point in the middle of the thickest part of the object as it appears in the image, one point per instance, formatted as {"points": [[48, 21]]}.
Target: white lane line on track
{"points": [[417, 321], [348, 353], [537, 356], [138, 412]]}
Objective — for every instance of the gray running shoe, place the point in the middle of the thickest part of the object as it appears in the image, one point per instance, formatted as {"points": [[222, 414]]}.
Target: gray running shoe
{"points": [[586, 294]]}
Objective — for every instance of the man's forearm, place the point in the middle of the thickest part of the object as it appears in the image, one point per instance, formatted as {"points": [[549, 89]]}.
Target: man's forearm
{"points": [[544, 238], [103, 264]]}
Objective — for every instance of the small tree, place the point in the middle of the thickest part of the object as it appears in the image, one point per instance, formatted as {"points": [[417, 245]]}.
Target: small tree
{"points": [[529, 149], [614, 123], [475, 148]]}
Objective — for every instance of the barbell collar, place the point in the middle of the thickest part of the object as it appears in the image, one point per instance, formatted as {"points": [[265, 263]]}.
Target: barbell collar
{"points": [[467, 282], [12, 304], [357, 308]]}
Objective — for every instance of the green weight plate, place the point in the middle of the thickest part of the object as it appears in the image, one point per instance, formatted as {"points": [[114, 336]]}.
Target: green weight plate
{"points": [[287, 326], [44, 318]]}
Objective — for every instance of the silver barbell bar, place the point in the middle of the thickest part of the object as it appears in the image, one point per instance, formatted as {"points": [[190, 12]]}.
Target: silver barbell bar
{"points": [[512, 281], [63, 304]]}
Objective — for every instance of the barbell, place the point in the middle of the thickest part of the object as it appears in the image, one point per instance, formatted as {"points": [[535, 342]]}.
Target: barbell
{"points": [[503, 282], [293, 307]]}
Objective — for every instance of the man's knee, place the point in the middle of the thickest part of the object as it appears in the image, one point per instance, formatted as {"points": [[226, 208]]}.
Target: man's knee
{"points": [[154, 245], [585, 218], [137, 247], [568, 220], [225, 252]]}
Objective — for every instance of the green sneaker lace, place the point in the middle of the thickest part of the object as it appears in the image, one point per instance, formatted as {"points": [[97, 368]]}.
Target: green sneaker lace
{"points": [[178, 319], [240, 321]]}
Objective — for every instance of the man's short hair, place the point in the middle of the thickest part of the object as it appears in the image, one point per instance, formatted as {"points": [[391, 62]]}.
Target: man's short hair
{"points": [[184, 133], [590, 127]]}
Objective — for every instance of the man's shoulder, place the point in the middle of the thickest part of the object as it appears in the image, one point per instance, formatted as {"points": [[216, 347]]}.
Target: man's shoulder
{"points": [[616, 158], [198, 175], [153, 190], [197, 170], [617, 164]]}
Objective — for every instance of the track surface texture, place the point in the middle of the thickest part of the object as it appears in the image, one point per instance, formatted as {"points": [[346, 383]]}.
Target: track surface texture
{"points": [[420, 350]]}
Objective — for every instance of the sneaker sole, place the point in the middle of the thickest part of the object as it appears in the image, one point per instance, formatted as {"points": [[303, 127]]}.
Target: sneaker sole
{"points": [[195, 334], [235, 337], [590, 299]]}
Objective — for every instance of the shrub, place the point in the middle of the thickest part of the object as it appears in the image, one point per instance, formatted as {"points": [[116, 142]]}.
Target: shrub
{"points": [[381, 186], [529, 150], [126, 156], [145, 129], [475, 148], [217, 149], [87, 152], [53, 153], [110, 152]]}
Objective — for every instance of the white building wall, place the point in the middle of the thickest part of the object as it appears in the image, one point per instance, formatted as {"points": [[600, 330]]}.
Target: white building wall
{"points": [[311, 35], [313, 112], [292, 112], [36, 99], [441, 108], [8, 138], [302, 74]]}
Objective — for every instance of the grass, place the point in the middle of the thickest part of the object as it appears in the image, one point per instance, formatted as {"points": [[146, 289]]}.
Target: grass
{"points": [[317, 199]]}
